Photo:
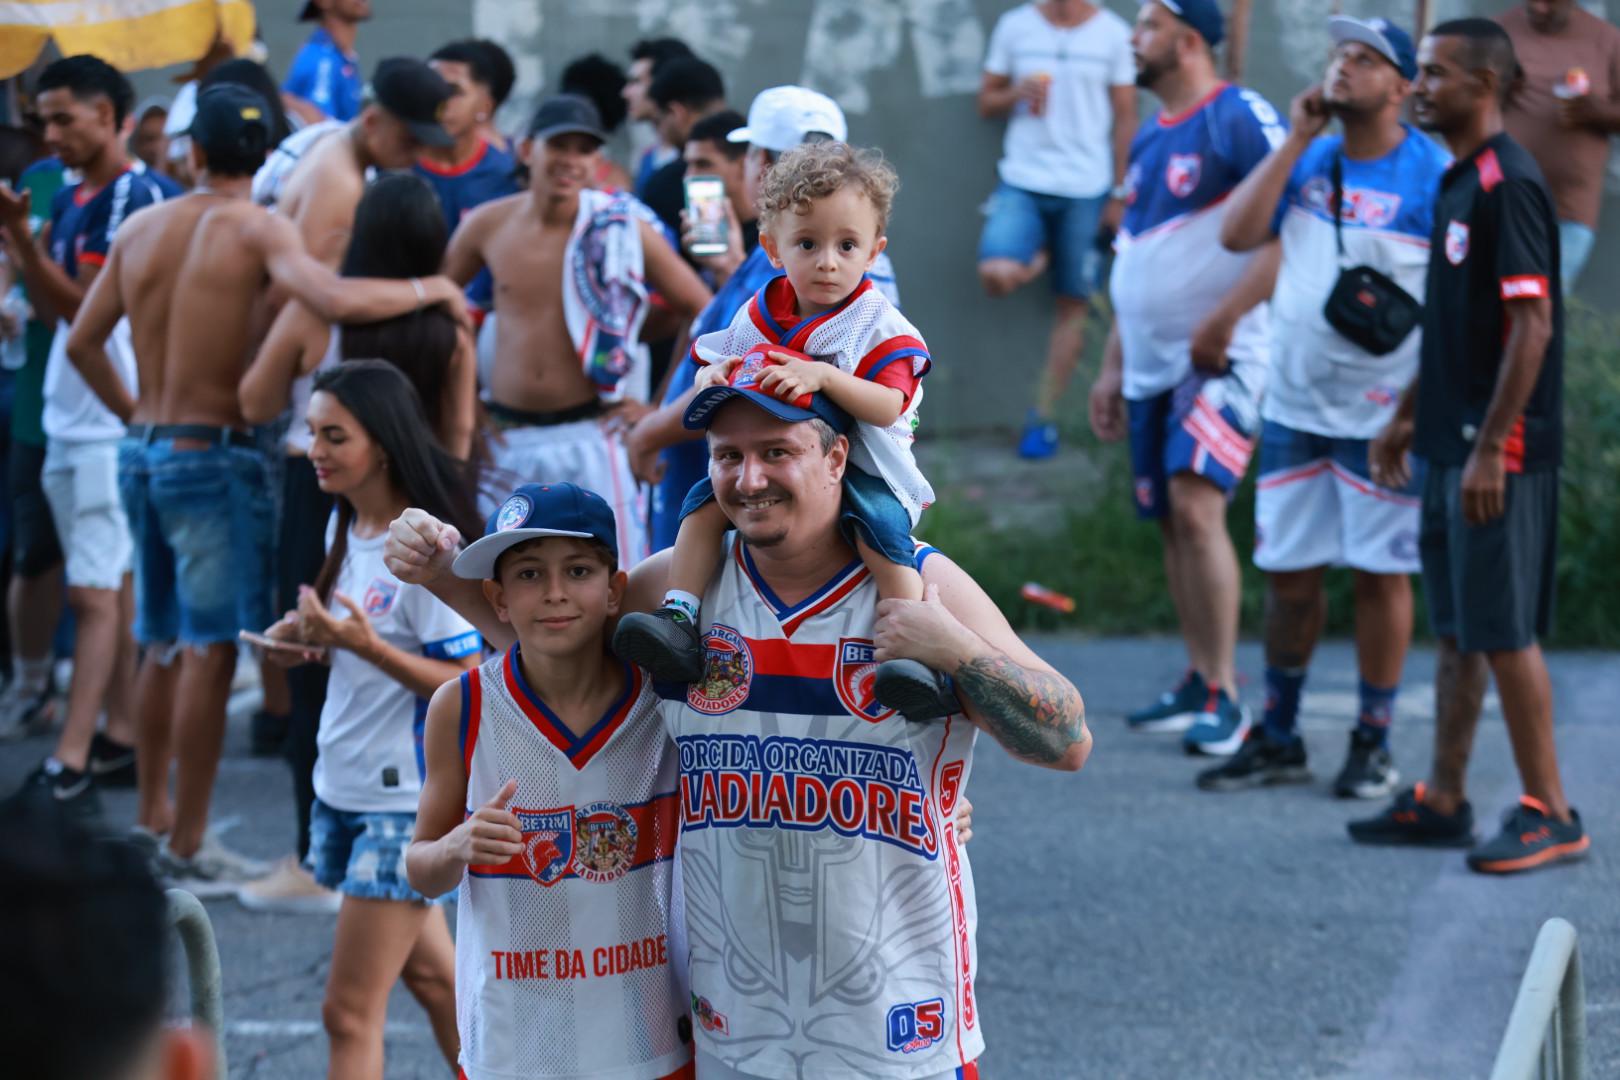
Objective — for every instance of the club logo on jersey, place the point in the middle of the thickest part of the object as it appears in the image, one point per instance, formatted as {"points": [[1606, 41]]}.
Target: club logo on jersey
{"points": [[1456, 242], [604, 842], [379, 597], [548, 843], [855, 676], [778, 782], [1362, 206], [513, 513], [916, 1025], [713, 1022], [728, 669], [1133, 180], [1144, 492], [1181, 175]]}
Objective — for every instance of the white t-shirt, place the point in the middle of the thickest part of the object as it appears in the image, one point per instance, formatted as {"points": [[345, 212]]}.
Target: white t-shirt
{"points": [[1321, 382], [1066, 150], [371, 725], [73, 412], [279, 165]]}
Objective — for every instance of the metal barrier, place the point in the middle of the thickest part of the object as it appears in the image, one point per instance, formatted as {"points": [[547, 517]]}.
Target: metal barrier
{"points": [[1546, 1032], [196, 935]]}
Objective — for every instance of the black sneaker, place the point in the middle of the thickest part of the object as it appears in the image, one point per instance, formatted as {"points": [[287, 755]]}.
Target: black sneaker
{"points": [[1408, 820], [267, 734], [112, 763], [70, 789], [914, 690], [1260, 761], [665, 642], [1369, 771], [1531, 838]]}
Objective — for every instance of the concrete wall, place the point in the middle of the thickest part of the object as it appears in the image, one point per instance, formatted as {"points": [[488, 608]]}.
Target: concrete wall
{"points": [[905, 70]]}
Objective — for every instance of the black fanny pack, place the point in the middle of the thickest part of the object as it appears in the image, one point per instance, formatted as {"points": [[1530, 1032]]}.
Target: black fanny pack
{"points": [[1366, 306]]}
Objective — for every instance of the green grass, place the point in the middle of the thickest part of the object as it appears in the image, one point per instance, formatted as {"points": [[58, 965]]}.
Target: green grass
{"points": [[1111, 563]]}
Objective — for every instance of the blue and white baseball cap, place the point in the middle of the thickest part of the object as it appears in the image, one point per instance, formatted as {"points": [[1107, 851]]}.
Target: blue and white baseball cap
{"points": [[1203, 16], [744, 383], [534, 511], [1380, 35]]}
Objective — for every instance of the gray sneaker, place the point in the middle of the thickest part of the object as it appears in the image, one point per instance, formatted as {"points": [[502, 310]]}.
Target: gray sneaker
{"points": [[214, 871]]}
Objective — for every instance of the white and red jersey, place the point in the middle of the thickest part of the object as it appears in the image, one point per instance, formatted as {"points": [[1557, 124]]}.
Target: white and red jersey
{"points": [[864, 336], [829, 911], [564, 966]]}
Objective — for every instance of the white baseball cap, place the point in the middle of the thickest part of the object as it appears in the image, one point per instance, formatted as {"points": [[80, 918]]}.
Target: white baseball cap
{"points": [[782, 116]]}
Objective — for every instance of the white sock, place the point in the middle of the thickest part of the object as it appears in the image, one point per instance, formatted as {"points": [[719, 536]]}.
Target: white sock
{"points": [[33, 675], [683, 602]]}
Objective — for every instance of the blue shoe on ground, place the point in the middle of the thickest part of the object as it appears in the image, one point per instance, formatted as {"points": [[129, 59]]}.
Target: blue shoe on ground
{"points": [[1040, 438], [1176, 710], [1220, 730]]}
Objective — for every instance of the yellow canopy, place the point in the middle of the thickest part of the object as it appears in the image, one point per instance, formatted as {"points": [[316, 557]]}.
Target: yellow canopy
{"points": [[128, 34]]}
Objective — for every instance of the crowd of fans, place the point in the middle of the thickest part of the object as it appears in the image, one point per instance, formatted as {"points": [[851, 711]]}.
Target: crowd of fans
{"points": [[275, 351]]}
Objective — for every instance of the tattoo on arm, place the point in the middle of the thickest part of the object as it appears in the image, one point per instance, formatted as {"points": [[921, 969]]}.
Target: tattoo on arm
{"points": [[1035, 714]]}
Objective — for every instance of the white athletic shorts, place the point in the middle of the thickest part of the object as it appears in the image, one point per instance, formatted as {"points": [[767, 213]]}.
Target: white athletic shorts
{"points": [[583, 453], [710, 1067], [81, 484], [1316, 505]]}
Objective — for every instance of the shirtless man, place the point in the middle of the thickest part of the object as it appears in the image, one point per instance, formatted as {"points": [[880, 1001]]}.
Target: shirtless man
{"points": [[559, 389], [192, 280], [316, 179]]}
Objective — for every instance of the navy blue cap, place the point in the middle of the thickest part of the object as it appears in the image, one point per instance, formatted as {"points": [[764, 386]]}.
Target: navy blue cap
{"points": [[534, 511], [1203, 16], [230, 117], [744, 384], [1380, 35]]}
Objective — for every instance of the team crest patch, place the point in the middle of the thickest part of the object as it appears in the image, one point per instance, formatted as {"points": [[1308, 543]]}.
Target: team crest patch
{"points": [[1144, 492], [855, 677], [604, 841], [728, 669], [548, 843], [1456, 242], [379, 597], [1181, 175], [513, 513]]}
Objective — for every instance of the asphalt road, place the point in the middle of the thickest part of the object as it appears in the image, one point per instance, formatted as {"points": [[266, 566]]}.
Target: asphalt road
{"points": [[1130, 925]]}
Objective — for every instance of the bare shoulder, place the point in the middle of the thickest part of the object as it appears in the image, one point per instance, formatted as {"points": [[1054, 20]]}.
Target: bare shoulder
{"points": [[493, 214]]}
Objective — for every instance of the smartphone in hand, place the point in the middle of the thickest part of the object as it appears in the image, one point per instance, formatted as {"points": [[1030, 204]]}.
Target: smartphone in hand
{"points": [[706, 214], [259, 641]]}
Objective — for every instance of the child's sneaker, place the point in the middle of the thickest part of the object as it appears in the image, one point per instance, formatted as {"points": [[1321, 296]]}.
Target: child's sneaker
{"points": [[665, 642], [914, 690]]}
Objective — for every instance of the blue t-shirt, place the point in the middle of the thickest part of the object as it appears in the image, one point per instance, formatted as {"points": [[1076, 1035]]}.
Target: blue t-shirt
{"points": [[83, 223], [1170, 270], [326, 77], [487, 175], [1322, 382]]}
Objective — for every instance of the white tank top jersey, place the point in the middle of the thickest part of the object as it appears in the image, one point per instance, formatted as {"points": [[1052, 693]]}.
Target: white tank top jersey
{"points": [[564, 966], [829, 911]]}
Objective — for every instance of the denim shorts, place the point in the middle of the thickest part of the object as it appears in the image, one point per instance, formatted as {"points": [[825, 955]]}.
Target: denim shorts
{"points": [[362, 854], [870, 511], [1018, 223], [203, 521]]}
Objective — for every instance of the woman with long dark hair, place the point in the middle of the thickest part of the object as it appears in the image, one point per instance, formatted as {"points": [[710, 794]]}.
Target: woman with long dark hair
{"points": [[399, 231], [389, 646]]}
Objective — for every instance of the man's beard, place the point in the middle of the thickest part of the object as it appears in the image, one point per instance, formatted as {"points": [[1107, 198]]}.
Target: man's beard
{"points": [[1154, 70]]}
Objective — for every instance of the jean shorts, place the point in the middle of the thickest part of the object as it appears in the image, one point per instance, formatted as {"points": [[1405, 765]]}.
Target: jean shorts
{"points": [[362, 854], [1019, 223], [870, 510], [203, 521]]}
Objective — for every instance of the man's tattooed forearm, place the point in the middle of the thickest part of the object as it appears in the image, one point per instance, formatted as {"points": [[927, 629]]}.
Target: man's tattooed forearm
{"points": [[1035, 714]]}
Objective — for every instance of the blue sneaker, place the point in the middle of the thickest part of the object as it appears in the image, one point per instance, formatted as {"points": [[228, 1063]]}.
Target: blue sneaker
{"points": [[1040, 438], [1220, 729], [1176, 710]]}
